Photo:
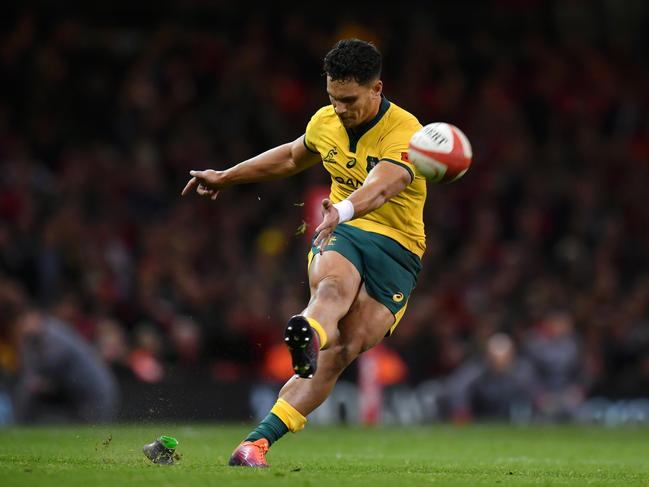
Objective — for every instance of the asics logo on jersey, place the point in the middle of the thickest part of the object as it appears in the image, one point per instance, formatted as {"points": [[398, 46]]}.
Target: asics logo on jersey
{"points": [[397, 298], [330, 155]]}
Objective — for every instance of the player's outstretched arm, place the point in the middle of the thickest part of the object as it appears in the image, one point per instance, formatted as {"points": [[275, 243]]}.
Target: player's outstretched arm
{"points": [[383, 182], [277, 163]]}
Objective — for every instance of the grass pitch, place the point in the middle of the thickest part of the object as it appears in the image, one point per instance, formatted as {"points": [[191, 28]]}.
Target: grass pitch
{"points": [[439, 455]]}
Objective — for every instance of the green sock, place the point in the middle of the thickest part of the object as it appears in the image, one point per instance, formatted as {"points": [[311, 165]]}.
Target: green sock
{"points": [[272, 428]]}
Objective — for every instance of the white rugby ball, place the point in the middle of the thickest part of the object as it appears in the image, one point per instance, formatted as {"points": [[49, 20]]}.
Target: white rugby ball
{"points": [[440, 152]]}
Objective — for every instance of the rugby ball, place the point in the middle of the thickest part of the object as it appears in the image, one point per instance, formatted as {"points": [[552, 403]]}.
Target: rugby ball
{"points": [[440, 152]]}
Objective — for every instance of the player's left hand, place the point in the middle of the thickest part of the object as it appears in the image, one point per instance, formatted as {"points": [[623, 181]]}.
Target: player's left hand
{"points": [[325, 230]]}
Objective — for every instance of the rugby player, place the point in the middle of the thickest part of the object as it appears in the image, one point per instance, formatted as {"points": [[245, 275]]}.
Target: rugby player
{"points": [[366, 253]]}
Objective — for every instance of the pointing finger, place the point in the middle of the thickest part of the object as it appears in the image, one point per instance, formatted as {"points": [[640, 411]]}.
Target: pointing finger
{"points": [[317, 239], [189, 186], [322, 235], [324, 243]]}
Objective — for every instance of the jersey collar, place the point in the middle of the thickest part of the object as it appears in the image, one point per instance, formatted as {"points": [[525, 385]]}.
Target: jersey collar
{"points": [[355, 135]]}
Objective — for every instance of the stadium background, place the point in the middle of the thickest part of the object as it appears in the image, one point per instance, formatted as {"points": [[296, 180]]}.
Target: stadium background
{"points": [[103, 110]]}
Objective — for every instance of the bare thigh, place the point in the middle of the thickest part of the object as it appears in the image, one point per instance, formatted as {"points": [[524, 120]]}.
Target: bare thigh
{"points": [[334, 283]]}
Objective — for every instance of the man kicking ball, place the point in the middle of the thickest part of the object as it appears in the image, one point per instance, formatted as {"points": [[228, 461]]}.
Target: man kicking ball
{"points": [[366, 253]]}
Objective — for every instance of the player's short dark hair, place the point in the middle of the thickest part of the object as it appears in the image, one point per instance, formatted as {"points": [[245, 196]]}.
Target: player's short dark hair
{"points": [[353, 59]]}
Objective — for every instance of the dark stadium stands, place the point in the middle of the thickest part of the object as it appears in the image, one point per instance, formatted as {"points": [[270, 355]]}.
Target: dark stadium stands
{"points": [[104, 111]]}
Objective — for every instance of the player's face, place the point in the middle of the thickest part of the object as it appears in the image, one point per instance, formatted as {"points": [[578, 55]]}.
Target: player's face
{"points": [[353, 103]]}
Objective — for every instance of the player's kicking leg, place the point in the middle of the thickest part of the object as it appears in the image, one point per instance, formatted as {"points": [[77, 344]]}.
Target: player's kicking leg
{"points": [[362, 324], [334, 283]]}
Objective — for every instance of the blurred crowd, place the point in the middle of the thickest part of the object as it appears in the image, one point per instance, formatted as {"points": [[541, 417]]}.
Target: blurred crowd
{"points": [[537, 264]]}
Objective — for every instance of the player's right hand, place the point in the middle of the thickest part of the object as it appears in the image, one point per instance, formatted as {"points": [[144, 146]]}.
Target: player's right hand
{"points": [[325, 230], [205, 182]]}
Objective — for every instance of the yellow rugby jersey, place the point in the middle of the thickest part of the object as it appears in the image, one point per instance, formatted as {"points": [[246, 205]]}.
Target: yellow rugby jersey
{"points": [[349, 156]]}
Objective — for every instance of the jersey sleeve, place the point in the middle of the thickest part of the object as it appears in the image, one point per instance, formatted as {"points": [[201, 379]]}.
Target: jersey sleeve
{"points": [[311, 135], [394, 146]]}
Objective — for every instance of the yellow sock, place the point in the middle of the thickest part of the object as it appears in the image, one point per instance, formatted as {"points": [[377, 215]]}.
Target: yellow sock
{"points": [[319, 330], [290, 416]]}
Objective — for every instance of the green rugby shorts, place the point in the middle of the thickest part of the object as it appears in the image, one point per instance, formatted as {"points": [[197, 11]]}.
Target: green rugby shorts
{"points": [[388, 269]]}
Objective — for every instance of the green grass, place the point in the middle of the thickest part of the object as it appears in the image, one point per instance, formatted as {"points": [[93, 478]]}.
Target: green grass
{"points": [[436, 455]]}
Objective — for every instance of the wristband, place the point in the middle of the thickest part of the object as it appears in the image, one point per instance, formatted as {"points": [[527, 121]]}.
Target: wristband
{"points": [[345, 211]]}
